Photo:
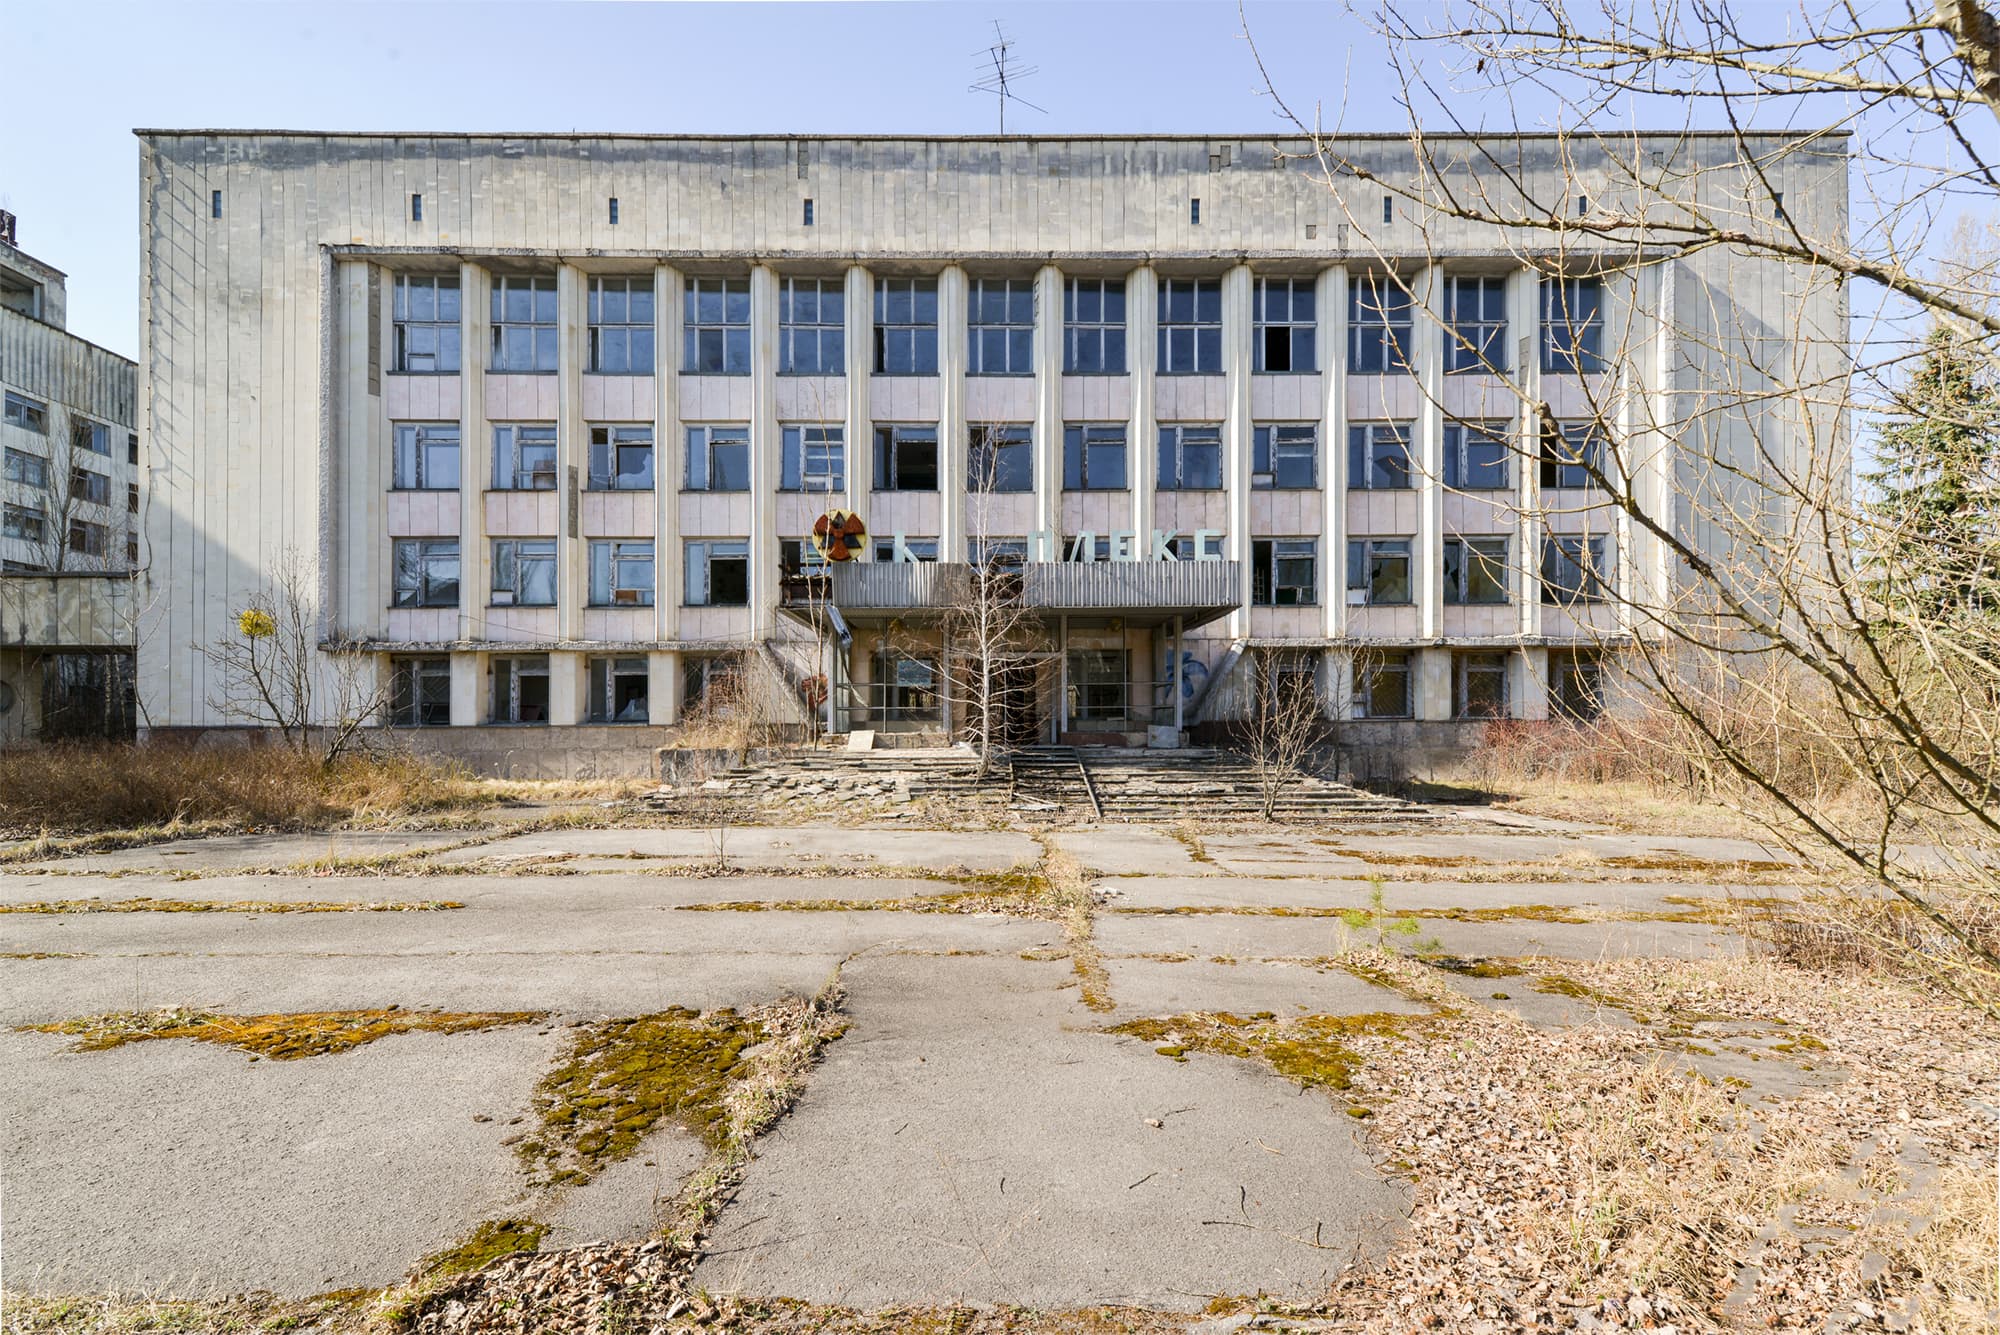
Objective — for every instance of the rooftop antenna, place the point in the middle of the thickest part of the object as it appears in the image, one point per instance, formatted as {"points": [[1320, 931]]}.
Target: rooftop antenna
{"points": [[1001, 77]]}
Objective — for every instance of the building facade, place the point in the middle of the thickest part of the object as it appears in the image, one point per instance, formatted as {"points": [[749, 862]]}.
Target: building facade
{"points": [[555, 418], [69, 513]]}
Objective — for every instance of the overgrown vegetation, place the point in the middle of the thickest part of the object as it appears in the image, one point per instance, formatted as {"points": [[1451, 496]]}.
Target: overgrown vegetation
{"points": [[281, 1037], [81, 787], [147, 904], [1069, 891], [1310, 1050]]}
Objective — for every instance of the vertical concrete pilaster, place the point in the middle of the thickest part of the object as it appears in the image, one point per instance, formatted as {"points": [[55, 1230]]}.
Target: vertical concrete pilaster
{"points": [[953, 297], [572, 454], [1430, 683], [1330, 295], [1048, 398], [663, 686], [1528, 683], [765, 444], [468, 690], [860, 321], [669, 440], [567, 684], [1524, 312], [1238, 288], [1427, 552], [475, 462], [1142, 429], [358, 555]]}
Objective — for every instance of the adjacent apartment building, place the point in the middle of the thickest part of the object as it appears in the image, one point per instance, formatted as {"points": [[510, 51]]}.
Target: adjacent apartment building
{"points": [[555, 418], [69, 513]]}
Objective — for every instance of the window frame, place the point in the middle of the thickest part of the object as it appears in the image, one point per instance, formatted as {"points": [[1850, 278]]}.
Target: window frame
{"points": [[25, 412], [1101, 333], [1189, 343], [1265, 443], [610, 558], [428, 551], [1095, 695], [508, 554], [700, 555], [1465, 664], [603, 673], [907, 346], [1567, 671], [609, 443], [402, 354], [1570, 470], [1594, 584], [1392, 663], [1263, 325], [1382, 343], [1570, 347], [702, 440], [701, 322], [16, 517], [417, 459], [826, 337], [1364, 570], [89, 435], [1486, 332], [87, 486], [516, 670], [923, 551], [602, 333], [1267, 558], [1016, 335], [542, 327], [88, 539], [1364, 443], [1459, 437], [799, 452], [885, 686], [408, 706], [1174, 454], [507, 446], [1474, 550], [890, 438], [1080, 439], [19, 463], [1002, 440]]}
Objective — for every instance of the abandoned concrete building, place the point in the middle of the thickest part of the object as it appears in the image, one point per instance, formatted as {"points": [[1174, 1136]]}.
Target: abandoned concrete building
{"points": [[69, 513], [555, 419]]}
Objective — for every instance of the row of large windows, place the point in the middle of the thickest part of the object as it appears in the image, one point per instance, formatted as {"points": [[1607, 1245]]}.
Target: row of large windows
{"points": [[1000, 326], [1285, 572], [999, 457], [906, 686]]}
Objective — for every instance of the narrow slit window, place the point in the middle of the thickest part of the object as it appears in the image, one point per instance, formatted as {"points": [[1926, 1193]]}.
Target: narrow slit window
{"points": [[809, 213], [1194, 211], [215, 203], [1388, 208], [614, 211], [416, 208]]}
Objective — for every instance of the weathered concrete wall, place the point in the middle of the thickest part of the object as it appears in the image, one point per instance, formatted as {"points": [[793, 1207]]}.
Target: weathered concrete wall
{"points": [[73, 611]]}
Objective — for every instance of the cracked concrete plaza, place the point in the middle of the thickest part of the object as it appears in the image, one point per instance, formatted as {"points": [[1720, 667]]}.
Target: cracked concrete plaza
{"points": [[976, 1134]]}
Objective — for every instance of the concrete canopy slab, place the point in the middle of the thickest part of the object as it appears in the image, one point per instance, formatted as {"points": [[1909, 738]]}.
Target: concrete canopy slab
{"points": [[758, 846], [189, 1168], [965, 1141], [1131, 850]]}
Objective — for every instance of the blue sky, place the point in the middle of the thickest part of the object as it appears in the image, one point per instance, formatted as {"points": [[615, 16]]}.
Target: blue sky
{"points": [[73, 180]]}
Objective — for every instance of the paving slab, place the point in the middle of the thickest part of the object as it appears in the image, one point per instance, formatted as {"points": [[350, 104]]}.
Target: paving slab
{"points": [[1175, 987], [624, 1202], [971, 1139], [1259, 937], [189, 1168], [1536, 847], [1131, 850], [761, 846], [1171, 892], [235, 851], [1278, 855]]}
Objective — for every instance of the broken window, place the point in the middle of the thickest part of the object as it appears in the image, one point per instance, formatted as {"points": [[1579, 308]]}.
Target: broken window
{"points": [[524, 572], [1475, 333], [426, 320], [88, 539], [716, 320], [1284, 572], [22, 521], [919, 549], [1001, 458], [30, 470], [708, 683], [1378, 572], [1094, 458], [420, 692], [1099, 685], [1573, 570], [718, 458], [1382, 684], [1475, 570], [1571, 453], [1285, 458], [92, 488], [621, 326], [1475, 456], [426, 457], [1094, 326], [1286, 325], [1576, 684], [903, 688], [524, 458], [1572, 326], [621, 458], [1000, 318], [621, 572], [618, 690], [524, 325], [1190, 458], [94, 437], [1190, 335], [906, 330], [26, 413], [812, 326], [906, 458], [1378, 456], [521, 689], [996, 551], [1479, 685], [717, 572], [426, 572], [1378, 325], [815, 459]]}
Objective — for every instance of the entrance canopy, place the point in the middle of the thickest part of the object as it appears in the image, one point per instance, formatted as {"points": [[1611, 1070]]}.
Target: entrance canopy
{"points": [[1143, 593]]}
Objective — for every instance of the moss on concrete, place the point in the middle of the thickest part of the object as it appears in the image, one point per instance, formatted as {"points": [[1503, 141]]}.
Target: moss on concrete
{"points": [[1312, 1051], [486, 1244], [281, 1037], [147, 904]]}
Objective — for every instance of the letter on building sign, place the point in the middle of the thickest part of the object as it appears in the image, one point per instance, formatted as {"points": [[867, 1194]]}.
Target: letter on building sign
{"points": [[902, 552], [1084, 548], [1201, 541], [1163, 545]]}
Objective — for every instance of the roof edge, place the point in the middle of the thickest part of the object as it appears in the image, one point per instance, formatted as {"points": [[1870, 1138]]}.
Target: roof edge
{"points": [[145, 132]]}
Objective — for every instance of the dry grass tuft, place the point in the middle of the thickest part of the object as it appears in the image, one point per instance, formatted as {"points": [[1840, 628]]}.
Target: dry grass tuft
{"points": [[1069, 891], [103, 786], [147, 904]]}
